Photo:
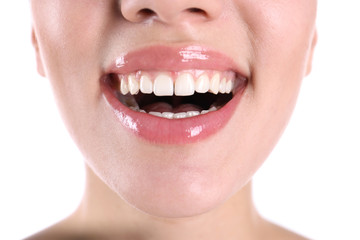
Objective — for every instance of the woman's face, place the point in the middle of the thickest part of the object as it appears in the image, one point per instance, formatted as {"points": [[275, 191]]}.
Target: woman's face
{"points": [[94, 52]]}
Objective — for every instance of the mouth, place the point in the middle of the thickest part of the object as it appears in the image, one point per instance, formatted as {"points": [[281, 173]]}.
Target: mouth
{"points": [[172, 102]]}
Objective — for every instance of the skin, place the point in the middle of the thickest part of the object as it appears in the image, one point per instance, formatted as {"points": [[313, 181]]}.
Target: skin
{"points": [[204, 189]]}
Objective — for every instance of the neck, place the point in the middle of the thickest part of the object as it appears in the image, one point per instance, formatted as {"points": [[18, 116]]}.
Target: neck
{"points": [[103, 211]]}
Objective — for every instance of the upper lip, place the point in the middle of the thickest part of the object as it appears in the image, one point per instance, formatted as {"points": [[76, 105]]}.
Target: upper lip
{"points": [[167, 58]]}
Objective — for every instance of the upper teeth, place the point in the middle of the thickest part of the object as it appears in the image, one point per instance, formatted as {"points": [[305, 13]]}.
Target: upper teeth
{"points": [[179, 84]]}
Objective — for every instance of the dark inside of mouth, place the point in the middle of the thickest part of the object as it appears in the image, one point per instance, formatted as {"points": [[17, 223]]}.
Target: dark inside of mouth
{"points": [[203, 101], [196, 102]]}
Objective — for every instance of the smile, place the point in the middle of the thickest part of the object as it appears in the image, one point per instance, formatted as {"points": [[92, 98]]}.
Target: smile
{"points": [[172, 96]]}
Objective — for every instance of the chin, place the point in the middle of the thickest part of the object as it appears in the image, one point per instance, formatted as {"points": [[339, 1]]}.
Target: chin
{"points": [[176, 191], [176, 200]]}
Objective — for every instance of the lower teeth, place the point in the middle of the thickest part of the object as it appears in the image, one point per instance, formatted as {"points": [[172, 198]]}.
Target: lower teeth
{"points": [[180, 115]]}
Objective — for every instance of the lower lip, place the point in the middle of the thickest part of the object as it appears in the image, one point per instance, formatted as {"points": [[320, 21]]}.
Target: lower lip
{"points": [[170, 131]]}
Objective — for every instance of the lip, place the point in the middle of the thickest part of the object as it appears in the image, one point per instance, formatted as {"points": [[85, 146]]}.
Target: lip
{"points": [[163, 58]]}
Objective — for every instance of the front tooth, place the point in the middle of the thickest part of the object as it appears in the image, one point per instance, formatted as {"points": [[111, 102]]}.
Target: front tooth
{"points": [[202, 84], [222, 87], [214, 84], [192, 113], [184, 85], [133, 84], [180, 115], [229, 86], [146, 85], [124, 88], [155, 114], [168, 115], [163, 85]]}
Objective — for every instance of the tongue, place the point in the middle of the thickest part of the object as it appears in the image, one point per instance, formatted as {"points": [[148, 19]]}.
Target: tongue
{"points": [[165, 107]]}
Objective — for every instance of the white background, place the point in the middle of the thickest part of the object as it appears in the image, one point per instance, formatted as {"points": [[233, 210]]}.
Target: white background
{"points": [[310, 184]]}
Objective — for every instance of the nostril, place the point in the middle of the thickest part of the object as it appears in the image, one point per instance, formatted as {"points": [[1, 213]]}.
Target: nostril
{"points": [[146, 13], [197, 10]]}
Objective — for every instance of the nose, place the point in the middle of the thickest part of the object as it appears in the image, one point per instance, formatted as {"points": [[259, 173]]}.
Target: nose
{"points": [[171, 11]]}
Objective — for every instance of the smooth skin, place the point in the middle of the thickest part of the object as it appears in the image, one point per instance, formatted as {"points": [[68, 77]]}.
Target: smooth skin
{"points": [[139, 190]]}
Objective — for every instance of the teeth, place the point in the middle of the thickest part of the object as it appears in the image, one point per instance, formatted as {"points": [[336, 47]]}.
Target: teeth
{"points": [[214, 84], [184, 85], [205, 111], [124, 88], [212, 109], [155, 114], [229, 86], [133, 84], [202, 84], [180, 115], [222, 87], [163, 85], [168, 115], [192, 113], [146, 85]]}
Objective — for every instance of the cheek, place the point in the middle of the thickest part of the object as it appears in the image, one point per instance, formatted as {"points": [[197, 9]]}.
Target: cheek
{"points": [[282, 36], [69, 32], [69, 35], [281, 42]]}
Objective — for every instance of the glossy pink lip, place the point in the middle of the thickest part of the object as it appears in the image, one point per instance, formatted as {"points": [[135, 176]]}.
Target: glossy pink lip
{"points": [[174, 131], [173, 59]]}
